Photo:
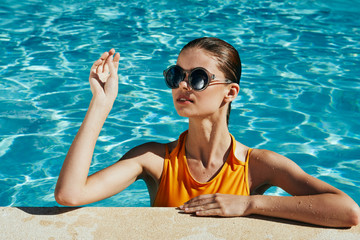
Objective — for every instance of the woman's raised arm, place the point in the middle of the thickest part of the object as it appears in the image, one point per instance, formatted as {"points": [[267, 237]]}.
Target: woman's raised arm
{"points": [[73, 185]]}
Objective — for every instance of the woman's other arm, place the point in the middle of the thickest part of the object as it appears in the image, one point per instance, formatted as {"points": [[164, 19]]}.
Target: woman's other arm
{"points": [[313, 200]]}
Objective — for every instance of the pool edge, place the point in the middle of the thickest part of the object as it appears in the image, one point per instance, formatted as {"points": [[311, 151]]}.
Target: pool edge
{"points": [[150, 223]]}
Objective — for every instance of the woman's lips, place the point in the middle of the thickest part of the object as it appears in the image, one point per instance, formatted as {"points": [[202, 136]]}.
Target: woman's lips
{"points": [[184, 99]]}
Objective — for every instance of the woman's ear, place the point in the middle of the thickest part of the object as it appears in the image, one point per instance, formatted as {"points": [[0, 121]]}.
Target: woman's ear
{"points": [[232, 92]]}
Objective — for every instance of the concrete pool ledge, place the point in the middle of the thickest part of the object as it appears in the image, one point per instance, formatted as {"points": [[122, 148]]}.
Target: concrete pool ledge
{"points": [[151, 223]]}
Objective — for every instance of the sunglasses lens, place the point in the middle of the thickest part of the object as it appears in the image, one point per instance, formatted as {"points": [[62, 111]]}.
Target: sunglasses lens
{"points": [[174, 76], [199, 79]]}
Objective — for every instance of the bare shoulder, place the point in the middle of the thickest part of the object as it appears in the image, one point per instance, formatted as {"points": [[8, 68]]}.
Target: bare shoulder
{"points": [[268, 158], [261, 169], [268, 168], [150, 150], [269, 164], [150, 156], [273, 169]]}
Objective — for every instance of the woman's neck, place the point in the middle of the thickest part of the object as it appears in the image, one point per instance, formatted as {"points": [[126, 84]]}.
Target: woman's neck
{"points": [[208, 141]]}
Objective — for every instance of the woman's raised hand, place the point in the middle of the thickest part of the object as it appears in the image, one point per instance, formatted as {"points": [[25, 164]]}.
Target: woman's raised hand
{"points": [[104, 77]]}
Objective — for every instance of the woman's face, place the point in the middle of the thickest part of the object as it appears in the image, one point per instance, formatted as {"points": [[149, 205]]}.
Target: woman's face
{"points": [[204, 104]]}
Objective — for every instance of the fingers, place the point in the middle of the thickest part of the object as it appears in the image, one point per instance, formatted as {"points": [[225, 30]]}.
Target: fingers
{"points": [[203, 207], [207, 205], [225, 205], [103, 58], [199, 203], [104, 63], [116, 60], [99, 62], [110, 65], [199, 200], [209, 212], [96, 64], [115, 57], [112, 51], [104, 55], [113, 61]]}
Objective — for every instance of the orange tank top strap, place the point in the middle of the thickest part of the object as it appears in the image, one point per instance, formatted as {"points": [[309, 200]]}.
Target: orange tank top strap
{"points": [[247, 170]]}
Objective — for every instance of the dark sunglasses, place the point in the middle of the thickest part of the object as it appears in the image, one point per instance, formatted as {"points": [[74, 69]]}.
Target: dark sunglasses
{"points": [[199, 78]]}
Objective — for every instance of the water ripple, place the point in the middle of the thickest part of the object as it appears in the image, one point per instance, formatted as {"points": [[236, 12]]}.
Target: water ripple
{"points": [[299, 90]]}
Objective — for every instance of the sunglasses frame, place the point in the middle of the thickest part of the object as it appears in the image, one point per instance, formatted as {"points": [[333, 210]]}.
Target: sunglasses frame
{"points": [[211, 77]]}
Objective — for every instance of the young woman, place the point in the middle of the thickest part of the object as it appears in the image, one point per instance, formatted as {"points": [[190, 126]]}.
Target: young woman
{"points": [[206, 171]]}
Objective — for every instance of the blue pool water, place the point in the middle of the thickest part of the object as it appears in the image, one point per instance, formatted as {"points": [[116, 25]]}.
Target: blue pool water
{"points": [[299, 91]]}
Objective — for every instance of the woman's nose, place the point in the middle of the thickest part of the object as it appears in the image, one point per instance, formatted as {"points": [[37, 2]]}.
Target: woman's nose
{"points": [[185, 83]]}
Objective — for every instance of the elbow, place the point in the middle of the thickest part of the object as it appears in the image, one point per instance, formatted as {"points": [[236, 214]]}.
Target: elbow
{"points": [[66, 199], [354, 216]]}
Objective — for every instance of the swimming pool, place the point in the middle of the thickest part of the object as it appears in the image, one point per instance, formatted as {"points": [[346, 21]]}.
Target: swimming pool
{"points": [[299, 90]]}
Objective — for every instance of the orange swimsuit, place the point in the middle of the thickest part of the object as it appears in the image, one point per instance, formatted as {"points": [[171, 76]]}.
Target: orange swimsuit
{"points": [[177, 186]]}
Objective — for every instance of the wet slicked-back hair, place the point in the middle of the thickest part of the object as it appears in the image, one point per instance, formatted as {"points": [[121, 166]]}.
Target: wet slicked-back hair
{"points": [[227, 56]]}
